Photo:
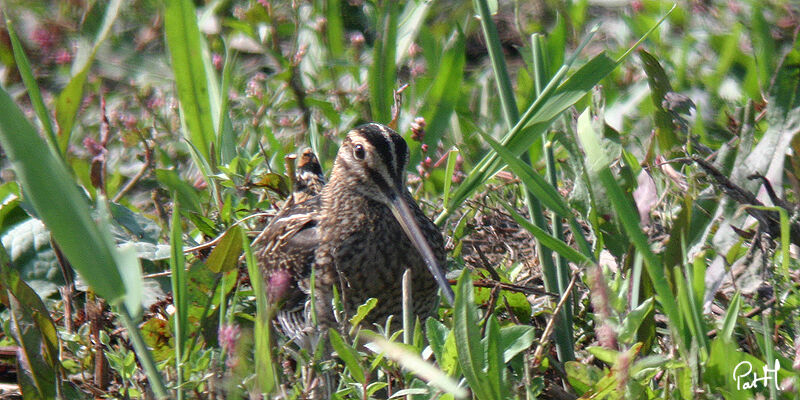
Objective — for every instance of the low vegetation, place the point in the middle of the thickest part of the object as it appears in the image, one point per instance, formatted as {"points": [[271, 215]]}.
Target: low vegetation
{"points": [[618, 185]]}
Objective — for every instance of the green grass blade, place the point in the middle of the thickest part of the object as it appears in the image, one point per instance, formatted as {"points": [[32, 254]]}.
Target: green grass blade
{"points": [[729, 322], [143, 353], [334, 29], [177, 265], [547, 240], [69, 100], [533, 181], [493, 46], [184, 42], [554, 99], [265, 375], [24, 67], [383, 73]]}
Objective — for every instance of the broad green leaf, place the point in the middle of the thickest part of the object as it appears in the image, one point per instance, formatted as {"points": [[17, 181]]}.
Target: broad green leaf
{"points": [[515, 339], [28, 244], [158, 335], [34, 332], [348, 354], [225, 255], [634, 319], [53, 194], [494, 360], [361, 312], [582, 377], [442, 342]]}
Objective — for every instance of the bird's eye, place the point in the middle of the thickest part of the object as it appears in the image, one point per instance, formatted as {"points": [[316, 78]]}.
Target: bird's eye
{"points": [[358, 152]]}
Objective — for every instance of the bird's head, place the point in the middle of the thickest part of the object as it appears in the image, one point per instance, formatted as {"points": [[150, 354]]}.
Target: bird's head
{"points": [[372, 163]]}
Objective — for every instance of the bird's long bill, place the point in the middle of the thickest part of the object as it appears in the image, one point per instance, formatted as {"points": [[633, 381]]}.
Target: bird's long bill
{"points": [[406, 219]]}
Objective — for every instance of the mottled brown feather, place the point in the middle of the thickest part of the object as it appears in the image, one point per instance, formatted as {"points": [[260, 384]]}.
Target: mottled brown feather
{"points": [[348, 235]]}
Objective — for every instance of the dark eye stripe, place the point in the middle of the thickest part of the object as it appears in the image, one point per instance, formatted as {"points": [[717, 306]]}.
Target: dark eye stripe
{"points": [[379, 181], [379, 140]]}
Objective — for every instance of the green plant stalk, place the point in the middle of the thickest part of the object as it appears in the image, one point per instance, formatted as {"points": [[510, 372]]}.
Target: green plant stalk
{"points": [[561, 268], [143, 353], [179, 300], [507, 101], [408, 309], [769, 349]]}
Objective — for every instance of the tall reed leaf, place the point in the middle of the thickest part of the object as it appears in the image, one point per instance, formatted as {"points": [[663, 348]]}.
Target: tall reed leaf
{"points": [[183, 40]]}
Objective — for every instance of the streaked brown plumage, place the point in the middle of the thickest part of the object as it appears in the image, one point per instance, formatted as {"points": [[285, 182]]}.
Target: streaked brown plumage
{"points": [[359, 233], [309, 178]]}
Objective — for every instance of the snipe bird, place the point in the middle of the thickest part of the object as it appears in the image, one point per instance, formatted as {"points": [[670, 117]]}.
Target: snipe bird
{"points": [[359, 233]]}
